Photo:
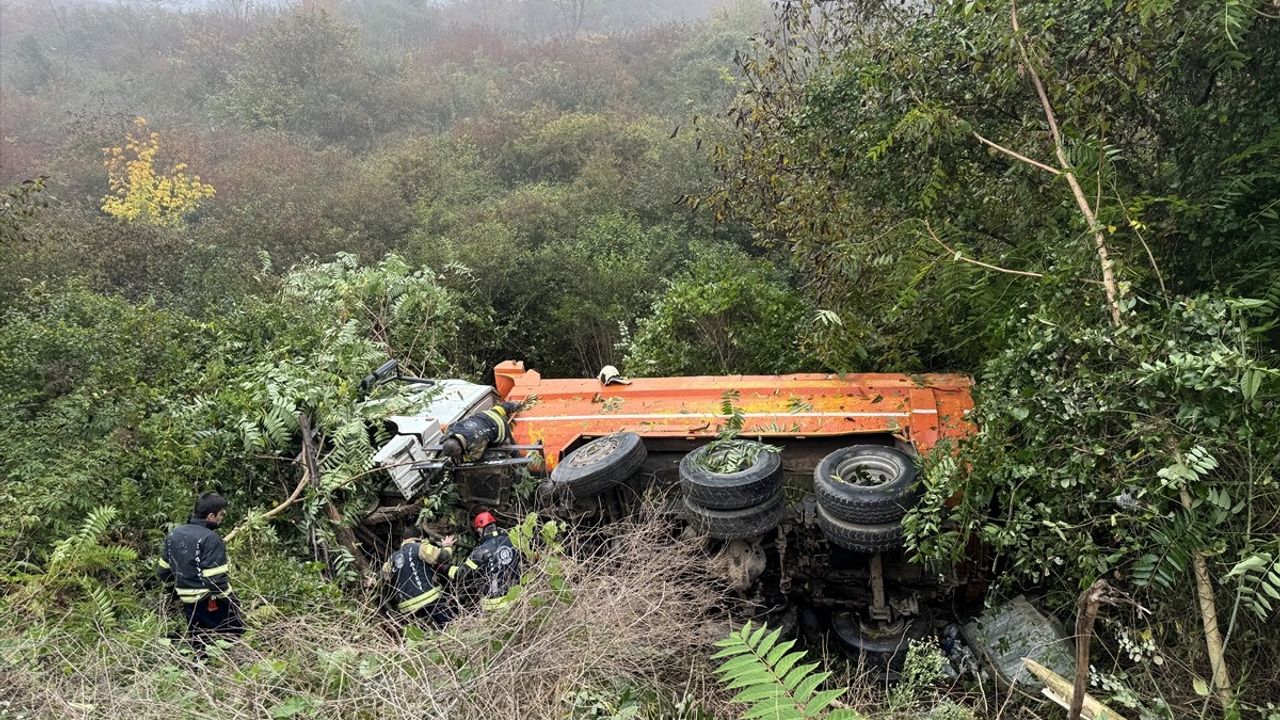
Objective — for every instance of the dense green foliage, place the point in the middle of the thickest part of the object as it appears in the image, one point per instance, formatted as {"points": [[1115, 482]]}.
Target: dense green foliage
{"points": [[914, 169], [1076, 203]]}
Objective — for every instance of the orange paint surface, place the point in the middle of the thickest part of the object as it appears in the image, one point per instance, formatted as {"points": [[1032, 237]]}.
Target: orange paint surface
{"points": [[922, 409]]}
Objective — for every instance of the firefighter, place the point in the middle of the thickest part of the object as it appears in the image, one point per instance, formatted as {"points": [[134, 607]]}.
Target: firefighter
{"points": [[195, 559], [414, 572], [467, 439], [493, 566]]}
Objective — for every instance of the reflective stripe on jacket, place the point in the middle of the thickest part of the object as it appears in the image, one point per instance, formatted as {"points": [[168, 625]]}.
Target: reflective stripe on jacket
{"points": [[497, 562], [411, 573], [477, 432], [195, 558]]}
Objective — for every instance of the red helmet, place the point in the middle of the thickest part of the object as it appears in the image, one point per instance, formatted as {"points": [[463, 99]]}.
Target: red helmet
{"points": [[483, 520]]}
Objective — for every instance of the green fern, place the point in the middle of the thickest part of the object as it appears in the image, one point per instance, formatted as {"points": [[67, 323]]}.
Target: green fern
{"points": [[1259, 576], [82, 553], [770, 677]]}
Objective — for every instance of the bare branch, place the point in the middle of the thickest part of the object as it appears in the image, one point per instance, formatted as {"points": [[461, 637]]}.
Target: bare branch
{"points": [[955, 255], [293, 498], [1209, 619], [1017, 155], [1099, 239]]}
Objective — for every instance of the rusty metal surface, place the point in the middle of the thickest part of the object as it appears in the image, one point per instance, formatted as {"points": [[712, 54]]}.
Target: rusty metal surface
{"points": [[917, 409]]}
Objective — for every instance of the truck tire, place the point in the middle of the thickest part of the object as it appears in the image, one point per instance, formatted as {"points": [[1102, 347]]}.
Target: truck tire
{"points": [[730, 491], [736, 524], [858, 537], [885, 648], [599, 465], [867, 484]]}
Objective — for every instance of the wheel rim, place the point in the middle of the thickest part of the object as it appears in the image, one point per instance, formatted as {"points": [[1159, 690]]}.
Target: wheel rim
{"points": [[867, 472], [594, 451]]}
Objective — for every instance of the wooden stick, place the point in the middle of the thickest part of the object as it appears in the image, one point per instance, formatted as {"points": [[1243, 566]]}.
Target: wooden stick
{"points": [[345, 536], [1020, 156], [1209, 617], [957, 256], [1061, 687], [293, 498], [1085, 616]]}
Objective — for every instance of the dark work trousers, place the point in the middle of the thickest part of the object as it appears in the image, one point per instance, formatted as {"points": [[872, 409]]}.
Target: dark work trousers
{"points": [[211, 618], [439, 614]]}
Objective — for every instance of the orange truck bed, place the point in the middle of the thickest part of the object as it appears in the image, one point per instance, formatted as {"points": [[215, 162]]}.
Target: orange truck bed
{"points": [[918, 409]]}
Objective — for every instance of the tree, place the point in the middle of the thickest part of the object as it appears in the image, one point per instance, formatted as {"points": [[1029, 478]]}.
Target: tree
{"points": [[729, 313], [141, 193], [303, 74]]}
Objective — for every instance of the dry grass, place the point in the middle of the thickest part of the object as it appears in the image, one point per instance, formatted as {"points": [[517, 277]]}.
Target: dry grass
{"points": [[637, 617]]}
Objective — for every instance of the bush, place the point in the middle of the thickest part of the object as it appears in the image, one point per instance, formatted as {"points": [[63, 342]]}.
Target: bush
{"points": [[729, 313], [622, 609]]}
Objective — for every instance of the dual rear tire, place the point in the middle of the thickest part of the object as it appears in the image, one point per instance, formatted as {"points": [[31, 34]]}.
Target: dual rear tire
{"points": [[734, 505], [863, 493]]}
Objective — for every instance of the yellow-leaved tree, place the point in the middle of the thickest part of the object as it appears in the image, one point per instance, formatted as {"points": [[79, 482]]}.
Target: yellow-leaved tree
{"points": [[139, 193]]}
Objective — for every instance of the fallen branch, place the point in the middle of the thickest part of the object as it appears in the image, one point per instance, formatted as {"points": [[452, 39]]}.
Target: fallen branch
{"points": [[293, 498], [1060, 691], [1085, 616], [1099, 593], [345, 536], [1020, 156]]}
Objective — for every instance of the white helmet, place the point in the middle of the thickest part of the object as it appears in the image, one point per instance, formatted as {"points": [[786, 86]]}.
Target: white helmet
{"points": [[609, 375]]}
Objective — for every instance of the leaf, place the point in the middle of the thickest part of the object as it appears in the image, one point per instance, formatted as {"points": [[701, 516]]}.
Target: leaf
{"points": [[294, 707], [1250, 383], [820, 701], [1200, 686]]}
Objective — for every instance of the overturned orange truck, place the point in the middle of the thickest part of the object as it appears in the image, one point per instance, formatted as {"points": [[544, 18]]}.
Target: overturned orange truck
{"points": [[808, 527]]}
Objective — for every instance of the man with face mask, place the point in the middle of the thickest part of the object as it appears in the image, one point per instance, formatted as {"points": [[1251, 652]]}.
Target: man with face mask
{"points": [[195, 559]]}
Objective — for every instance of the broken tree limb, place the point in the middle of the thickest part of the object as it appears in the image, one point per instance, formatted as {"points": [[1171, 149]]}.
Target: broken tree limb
{"points": [[293, 498], [1209, 617], [1086, 614], [1089, 213], [392, 513], [955, 254], [1061, 691], [345, 536], [1017, 155]]}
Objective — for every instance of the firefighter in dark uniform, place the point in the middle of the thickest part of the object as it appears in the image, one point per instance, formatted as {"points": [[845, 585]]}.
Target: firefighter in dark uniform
{"points": [[493, 567], [467, 439], [195, 559], [414, 573]]}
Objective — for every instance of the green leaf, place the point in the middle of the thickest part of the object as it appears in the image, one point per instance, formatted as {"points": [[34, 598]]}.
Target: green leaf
{"points": [[756, 694], [766, 644], [1200, 686], [754, 677], [820, 701], [806, 686], [1250, 383], [783, 666], [780, 710], [799, 673], [294, 707], [776, 653]]}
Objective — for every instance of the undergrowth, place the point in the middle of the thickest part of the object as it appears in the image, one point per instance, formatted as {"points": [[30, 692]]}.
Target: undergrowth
{"points": [[620, 612]]}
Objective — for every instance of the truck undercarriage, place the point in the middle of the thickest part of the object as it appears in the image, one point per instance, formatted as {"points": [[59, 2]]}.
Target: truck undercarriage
{"points": [[814, 539]]}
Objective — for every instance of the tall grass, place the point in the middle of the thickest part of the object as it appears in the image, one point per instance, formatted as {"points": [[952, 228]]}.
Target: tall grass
{"points": [[629, 610]]}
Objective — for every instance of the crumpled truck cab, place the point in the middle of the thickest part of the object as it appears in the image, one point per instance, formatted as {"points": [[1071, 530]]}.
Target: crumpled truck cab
{"points": [[445, 402]]}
